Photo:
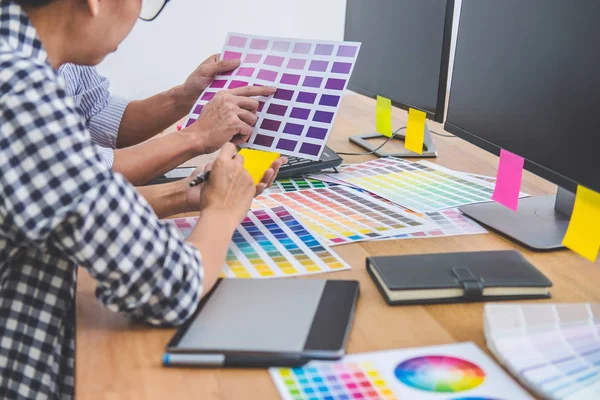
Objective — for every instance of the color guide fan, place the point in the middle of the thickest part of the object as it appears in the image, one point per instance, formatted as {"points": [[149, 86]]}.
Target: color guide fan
{"points": [[457, 371], [272, 243], [552, 348], [340, 215], [310, 76]]}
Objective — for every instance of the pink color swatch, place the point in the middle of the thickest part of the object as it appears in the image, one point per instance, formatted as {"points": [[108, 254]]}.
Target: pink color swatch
{"points": [[508, 182]]}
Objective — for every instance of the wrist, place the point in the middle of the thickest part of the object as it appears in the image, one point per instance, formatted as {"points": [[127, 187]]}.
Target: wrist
{"points": [[182, 100], [226, 218]]}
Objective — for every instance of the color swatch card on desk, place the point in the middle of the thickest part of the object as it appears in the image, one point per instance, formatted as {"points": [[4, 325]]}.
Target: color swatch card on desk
{"points": [[451, 372], [552, 348], [341, 215], [417, 186], [295, 184], [310, 76], [272, 243], [450, 222]]}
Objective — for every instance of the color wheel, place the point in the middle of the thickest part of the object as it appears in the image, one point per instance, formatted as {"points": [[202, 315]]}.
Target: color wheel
{"points": [[439, 374]]}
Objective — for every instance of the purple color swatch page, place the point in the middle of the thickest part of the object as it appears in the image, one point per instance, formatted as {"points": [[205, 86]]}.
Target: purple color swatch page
{"points": [[310, 77]]}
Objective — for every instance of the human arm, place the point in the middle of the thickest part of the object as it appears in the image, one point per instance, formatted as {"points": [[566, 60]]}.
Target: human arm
{"points": [[59, 198], [143, 119], [178, 197], [229, 116]]}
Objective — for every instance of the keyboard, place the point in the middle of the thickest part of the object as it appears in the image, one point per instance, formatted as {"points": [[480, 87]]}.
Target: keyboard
{"points": [[297, 166]]}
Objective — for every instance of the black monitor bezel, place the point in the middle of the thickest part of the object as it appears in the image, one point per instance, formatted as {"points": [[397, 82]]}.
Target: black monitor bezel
{"points": [[531, 166], [438, 116]]}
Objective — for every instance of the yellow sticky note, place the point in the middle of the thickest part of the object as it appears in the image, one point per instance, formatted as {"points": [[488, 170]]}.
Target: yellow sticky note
{"points": [[583, 235], [257, 162], [415, 131], [383, 116]]}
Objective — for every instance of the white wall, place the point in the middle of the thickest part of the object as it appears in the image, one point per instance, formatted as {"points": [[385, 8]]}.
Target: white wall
{"points": [[160, 54]]}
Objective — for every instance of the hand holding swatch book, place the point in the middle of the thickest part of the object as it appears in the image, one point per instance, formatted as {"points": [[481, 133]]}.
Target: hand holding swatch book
{"points": [[310, 76]]}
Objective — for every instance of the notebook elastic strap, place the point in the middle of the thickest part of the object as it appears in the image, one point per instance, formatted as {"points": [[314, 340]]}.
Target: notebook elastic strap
{"points": [[472, 285]]}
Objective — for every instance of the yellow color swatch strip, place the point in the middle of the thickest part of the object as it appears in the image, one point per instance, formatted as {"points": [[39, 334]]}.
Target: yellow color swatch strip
{"points": [[583, 235], [383, 116], [415, 131], [257, 162]]}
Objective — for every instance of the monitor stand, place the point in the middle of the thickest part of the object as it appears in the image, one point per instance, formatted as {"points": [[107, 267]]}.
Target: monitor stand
{"points": [[429, 149], [540, 222]]}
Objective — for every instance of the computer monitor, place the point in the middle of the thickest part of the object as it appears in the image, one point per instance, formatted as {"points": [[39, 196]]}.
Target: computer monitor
{"points": [[404, 56], [526, 78]]}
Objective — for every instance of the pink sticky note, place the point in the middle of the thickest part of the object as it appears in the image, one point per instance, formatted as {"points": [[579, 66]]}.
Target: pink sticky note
{"points": [[508, 182]]}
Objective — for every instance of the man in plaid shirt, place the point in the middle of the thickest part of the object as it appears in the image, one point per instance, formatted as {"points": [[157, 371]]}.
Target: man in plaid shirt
{"points": [[61, 206]]}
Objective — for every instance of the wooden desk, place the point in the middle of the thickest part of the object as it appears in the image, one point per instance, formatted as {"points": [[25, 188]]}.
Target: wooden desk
{"points": [[120, 360]]}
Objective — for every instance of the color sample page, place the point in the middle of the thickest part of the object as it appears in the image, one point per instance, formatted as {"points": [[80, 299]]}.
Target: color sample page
{"points": [[552, 348], [272, 243], [295, 184], [451, 372], [449, 222], [341, 215], [311, 77], [417, 186]]}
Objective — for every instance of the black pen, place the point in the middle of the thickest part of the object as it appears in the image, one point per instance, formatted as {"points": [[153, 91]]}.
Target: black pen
{"points": [[200, 179]]}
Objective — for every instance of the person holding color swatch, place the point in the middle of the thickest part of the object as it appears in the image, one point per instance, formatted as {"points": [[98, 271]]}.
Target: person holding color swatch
{"points": [[61, 206]]}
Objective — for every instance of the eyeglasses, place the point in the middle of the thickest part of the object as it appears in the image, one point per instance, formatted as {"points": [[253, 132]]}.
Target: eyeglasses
{"points": [[151, 9]]}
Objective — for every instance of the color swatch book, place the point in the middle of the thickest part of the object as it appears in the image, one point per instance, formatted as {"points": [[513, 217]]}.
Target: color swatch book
{"points": [[295, 184], [552, 348], [451, 372], [311, 77], [341, 215], [272, 243], [417, 186]]}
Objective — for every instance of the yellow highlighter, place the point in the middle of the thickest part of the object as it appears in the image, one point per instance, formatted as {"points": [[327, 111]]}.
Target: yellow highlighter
{"points": [[257, 162]]}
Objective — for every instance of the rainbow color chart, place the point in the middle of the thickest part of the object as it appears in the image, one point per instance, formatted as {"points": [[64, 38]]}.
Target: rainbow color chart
{"points": [[422, 187], [295, 184], [311, 78], [452, 372], [272, 243], [340, 215], [554, 349]]}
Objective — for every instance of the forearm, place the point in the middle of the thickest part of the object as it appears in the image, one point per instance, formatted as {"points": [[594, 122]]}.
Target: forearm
{"points": [[144, 119], [166, 199], [211, 236], [147, 160]]}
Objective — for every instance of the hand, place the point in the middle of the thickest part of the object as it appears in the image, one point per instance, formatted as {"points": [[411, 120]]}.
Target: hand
{"points": [[230, 189], [194, 193], [229, 116], [202, 76]]}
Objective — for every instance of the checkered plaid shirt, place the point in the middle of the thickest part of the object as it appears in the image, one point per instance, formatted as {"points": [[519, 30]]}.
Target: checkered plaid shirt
{"points": [[60, 207]]}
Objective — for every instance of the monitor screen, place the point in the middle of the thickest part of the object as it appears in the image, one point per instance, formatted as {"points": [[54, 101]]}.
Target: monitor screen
{"points": [[404, 52], [526, 79]]}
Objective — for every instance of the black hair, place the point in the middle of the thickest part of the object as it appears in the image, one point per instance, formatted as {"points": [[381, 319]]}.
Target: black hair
{"points": [[30, 3]]}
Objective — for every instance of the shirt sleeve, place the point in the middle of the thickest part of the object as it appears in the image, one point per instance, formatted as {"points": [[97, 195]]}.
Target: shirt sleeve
{"points": [[107, 155], [102, 111], [58, 196]]}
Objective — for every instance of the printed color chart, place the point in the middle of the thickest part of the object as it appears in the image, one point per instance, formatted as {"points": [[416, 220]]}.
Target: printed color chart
{"points": [[552, 348], [295, 184], [457, 371], [310, 77], [272, 243], [340, 215], [419, 187], [449, 222]]}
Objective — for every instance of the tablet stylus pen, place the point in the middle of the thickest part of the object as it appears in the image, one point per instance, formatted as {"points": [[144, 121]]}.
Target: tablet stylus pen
{"points": [[194, 360], [220, 360]]}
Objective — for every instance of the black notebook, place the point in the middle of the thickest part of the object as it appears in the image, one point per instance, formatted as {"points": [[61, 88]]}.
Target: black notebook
{"points": [[457, 277]]}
